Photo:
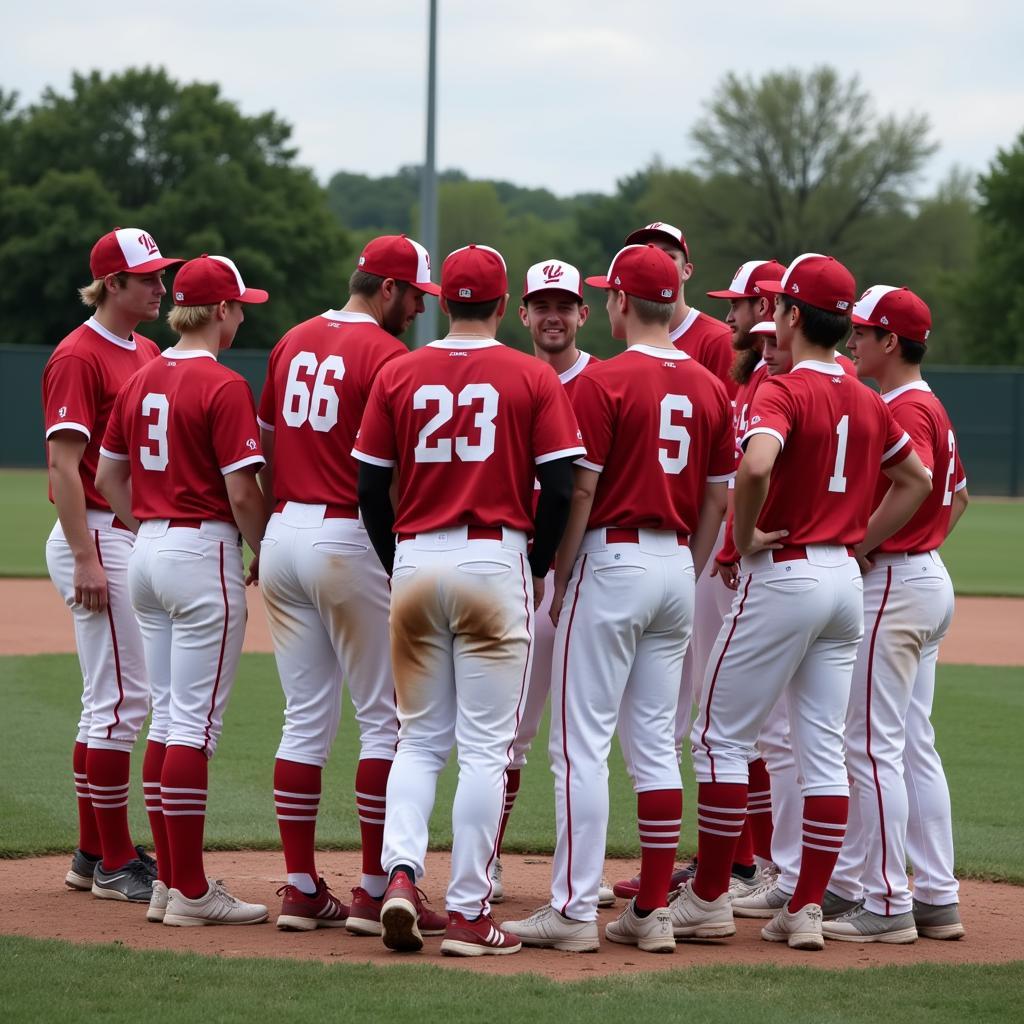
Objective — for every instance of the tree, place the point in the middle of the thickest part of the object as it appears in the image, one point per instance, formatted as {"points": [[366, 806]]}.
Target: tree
{"points": [[805, 158], [140, 148]]}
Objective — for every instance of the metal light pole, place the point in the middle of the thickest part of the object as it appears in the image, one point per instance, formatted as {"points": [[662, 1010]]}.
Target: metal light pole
{"points": [[426, 325]]}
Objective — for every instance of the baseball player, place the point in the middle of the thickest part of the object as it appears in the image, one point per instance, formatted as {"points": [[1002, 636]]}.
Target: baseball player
{"points": [[816, 439], [180, 455], [659, 440], [325, 592], [87, 556], [553, 311], [468, 423], [908, 604]]}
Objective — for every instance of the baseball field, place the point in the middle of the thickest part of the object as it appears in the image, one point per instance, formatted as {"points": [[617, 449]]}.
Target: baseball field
{"points": [[67, 956]]}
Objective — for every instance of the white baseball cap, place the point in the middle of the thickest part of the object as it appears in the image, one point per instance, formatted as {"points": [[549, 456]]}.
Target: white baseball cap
{"points": [[659, 229], [553, 275], [764, 327]]}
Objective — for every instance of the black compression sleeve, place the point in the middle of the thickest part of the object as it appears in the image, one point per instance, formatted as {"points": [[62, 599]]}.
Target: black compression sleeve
{"points": [[374, 489], [552, 513]]}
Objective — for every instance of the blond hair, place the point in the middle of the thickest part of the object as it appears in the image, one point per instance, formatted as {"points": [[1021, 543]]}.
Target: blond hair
{"points": [[95, 294], [650, 312], [190, 318]]}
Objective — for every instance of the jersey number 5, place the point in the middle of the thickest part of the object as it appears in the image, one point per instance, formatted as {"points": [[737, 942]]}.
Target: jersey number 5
{"points": [[441, 449], [154, 456], [319, 406], [670, 431]]}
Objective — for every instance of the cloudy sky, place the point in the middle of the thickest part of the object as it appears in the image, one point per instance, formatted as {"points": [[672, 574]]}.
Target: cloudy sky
{"points": [[567, 94]]}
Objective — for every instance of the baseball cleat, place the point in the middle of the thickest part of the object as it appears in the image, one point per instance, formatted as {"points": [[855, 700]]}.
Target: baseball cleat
{"points": [[546, 928], [83, 866], [605, 894], [481, 937], [801, 930], [497, 889], [765, 901], [694, 918], [132, 883], [157, 902], [216, 906], [303, 913], [399, 915], [938, 921], [628, 888], [833, 906], [652, 934], [364, 915], [861, 925]]}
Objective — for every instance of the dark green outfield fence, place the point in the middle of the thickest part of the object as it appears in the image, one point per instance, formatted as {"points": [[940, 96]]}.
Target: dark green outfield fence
{"points": [[986, 405]]}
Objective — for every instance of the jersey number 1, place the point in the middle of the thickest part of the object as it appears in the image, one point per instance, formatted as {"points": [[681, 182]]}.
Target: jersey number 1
{"points": [[837, 482]]}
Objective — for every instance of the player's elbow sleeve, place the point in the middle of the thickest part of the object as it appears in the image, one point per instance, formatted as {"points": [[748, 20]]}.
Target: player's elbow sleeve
{"points": [[373, 485]]}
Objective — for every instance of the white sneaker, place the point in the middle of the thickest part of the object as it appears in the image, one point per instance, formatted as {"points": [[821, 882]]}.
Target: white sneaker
{"points": [[694, 918], [740, 886], [218, 906], [497, 889], [765, 901], [546, 928], [801, 930], [652, 934], [605, 896], [157, 902]]}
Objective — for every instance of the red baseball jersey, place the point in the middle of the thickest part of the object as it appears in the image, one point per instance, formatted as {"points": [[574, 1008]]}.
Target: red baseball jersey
{"points": [[81, 381], [569, 377], [921, 414], [835, 435], [709, 341], [318, 380], [657, 427], [466, 422], [183, 423]]}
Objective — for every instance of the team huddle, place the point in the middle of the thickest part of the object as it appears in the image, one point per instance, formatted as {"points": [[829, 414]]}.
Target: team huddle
{"points": [[722, 516]]}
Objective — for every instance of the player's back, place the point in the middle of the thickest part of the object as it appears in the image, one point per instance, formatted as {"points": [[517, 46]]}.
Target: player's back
{"points": [[318, 381], [468, 423], [836, 434], [660, 425]]}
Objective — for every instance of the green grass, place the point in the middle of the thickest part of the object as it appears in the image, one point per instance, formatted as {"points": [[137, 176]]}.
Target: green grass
{"points": [[978, 712], [985, 555], [54, 981]]}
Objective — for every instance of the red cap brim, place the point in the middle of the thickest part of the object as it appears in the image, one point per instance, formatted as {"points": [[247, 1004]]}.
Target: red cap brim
{"points": [[427, 287], [730, 295], [253, 295], [771, 287], [598, 282], [859, 321], [153, 265]]}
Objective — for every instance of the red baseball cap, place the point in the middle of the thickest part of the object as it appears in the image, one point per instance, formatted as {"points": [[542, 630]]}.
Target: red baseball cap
{"points": [[553, 275], [643, 271], [820, 281], [659, 229], [211, 279], [744, 284], [894, 309], [127, 251], [474, 273], [400, 258]]}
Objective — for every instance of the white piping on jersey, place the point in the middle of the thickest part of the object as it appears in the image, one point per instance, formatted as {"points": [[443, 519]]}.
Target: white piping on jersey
{"points": [[342, 316], [576, 369], [464, 343], [691, 319], [759, 365], [93, 324], [820, 366], [188, 353], [914, 385], [675, 355]]}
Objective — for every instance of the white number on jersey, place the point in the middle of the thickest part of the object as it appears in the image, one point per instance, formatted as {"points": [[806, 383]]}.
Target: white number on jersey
{"points": [[318, 407], [441, 449], [837, 482], [677, 432], [947, 494], [155, 460]]}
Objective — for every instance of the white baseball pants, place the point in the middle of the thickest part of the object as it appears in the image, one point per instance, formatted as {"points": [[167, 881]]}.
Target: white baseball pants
{"points": [[327, 600], [540, 677], [775, 745], [115, 689], [622, 631], [908, 606], [794, 629], [461, 647], [189, 596]]}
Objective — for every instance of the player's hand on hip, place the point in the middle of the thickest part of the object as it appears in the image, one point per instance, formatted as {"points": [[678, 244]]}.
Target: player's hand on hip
{"points": [[762, 541], [253, 576], [730, 573], [557, 597], [538, 591], [90, 584], [865, 563]]}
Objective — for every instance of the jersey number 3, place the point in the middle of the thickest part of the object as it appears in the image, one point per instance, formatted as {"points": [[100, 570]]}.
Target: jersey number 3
{"points": [[154, 456]]}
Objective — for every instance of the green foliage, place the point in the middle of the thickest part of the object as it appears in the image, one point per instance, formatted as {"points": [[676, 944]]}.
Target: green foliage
{"points": [[179, 160]]}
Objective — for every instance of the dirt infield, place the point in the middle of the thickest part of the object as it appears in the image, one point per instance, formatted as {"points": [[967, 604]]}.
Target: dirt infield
{"points": [[33, 620], [36, 903]]}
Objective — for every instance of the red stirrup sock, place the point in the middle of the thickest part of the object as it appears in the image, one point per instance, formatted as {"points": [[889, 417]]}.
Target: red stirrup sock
{"points": [[659, 814], [759, 809], [88, 833], [721, 810], [183, 783], [823, 835], [297, 802], [109, 772], [371, 791]]}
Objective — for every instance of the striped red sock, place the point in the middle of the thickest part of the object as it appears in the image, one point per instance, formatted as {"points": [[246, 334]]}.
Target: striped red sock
{"points": [[371, 791], [152, 767], [743, 855], [183, 786], [109, 772], [759, 809], [297, 801], [88, 833], [512, 779], [721, 810], [659, 813], [823, 835]]}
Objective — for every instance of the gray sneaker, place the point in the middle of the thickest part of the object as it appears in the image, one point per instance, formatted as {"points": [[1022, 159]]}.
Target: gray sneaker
{"points": [[133, 883], [862, 925], [148, 861], [83, 866], [935, 921], [833, 906], [765, 901]]}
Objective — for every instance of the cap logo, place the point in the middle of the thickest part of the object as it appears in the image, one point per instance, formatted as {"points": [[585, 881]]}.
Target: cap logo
{"points": [[795, 288], [884, 321], [362, 260], [618, 280], [666, 293], [146, 241], [926, 333], [656, 224], [842, 304], [553, 273], [465, 293], [179, 296], [426, 258]]}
